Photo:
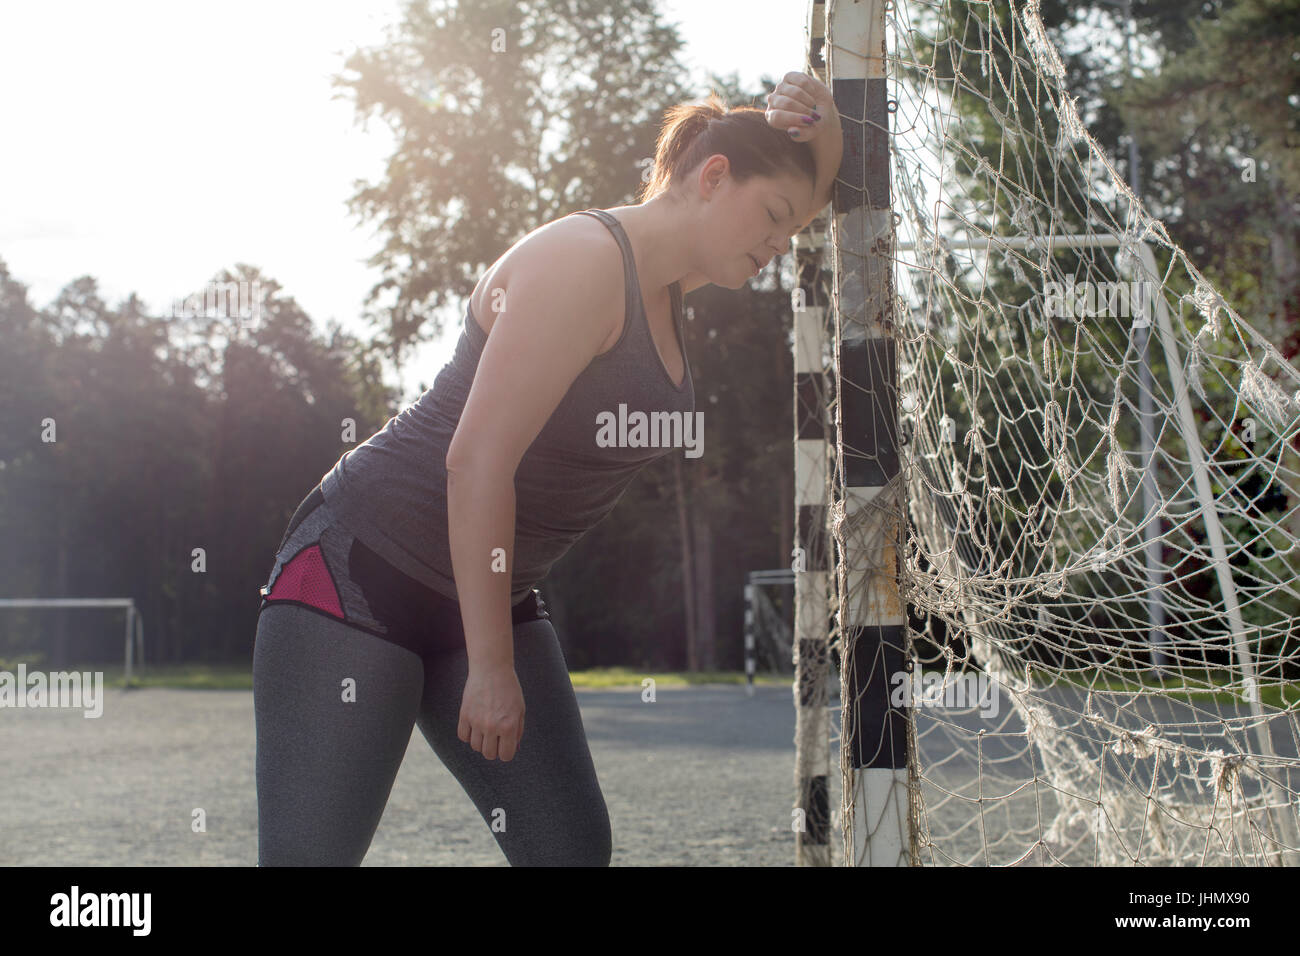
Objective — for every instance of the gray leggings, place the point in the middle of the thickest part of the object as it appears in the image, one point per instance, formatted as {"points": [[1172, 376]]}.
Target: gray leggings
{"points": [[335, 705]]}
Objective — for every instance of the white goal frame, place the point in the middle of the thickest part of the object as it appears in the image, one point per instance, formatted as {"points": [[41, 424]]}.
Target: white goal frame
{"points": [[134, 622]]}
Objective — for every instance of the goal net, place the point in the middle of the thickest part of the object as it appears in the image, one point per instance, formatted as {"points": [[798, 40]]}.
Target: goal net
{"points": [[1094, 517]]}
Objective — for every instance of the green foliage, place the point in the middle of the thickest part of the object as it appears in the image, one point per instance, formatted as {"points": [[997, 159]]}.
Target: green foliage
{"points": [[508, 114], [170, 434], [999, 360]]}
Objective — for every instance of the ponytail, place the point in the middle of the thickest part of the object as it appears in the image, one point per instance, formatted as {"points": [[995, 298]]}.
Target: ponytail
{"points": [[692, 132]]}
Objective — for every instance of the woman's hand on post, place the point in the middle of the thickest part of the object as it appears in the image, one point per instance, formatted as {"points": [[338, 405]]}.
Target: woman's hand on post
{"points": [[492, 712], [801, 104]]}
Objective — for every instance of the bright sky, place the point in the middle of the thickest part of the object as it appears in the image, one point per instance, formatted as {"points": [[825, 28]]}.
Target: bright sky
{"points": [[152, 144]]}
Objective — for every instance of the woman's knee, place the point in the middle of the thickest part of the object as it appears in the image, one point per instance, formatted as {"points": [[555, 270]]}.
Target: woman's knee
{"points": [[600, 846], [579, 840]]}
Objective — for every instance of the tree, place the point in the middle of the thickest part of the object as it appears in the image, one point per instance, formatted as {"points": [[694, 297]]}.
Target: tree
{"points": [[507, 115], [1221, 123]]}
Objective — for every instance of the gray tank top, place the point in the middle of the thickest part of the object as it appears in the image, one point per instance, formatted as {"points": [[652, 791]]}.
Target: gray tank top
{"points": [[391, 490]]}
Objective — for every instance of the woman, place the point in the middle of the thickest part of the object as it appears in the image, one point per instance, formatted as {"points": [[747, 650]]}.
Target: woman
{"points": [[403, 589]]}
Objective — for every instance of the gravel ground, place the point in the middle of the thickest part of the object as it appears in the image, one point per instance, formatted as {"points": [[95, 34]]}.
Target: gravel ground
{"points": [[703, 776]]}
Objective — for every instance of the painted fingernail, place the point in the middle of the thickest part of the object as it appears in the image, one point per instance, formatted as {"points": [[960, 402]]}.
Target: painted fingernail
{"points": [[816, 115], [794, 132], [809, 120]]}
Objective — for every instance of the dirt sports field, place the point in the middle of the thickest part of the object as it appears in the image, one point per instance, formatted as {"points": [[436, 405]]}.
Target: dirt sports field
{"points": [[702, 776]]}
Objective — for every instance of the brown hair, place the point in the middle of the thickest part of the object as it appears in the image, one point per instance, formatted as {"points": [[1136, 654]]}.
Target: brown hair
{"points": [[692, 132]]}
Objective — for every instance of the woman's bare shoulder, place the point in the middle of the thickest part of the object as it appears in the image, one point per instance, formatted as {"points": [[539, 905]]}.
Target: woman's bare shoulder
{"points": [[560, 245]]}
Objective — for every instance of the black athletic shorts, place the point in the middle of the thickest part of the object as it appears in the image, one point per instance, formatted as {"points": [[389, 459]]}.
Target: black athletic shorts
{"points": [[321, 566]]}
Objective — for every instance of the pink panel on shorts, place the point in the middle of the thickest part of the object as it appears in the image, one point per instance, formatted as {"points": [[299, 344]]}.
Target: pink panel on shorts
{"points": [[306, 579]]}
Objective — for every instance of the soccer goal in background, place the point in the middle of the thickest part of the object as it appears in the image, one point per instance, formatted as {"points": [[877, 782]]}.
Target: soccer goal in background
{"points": [[134, 634], [769, 597], [1022, 414]]}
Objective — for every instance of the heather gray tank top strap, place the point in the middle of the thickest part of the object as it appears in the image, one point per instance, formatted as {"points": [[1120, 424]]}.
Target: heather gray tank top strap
{"points": [[631, 282], [632, 306]]}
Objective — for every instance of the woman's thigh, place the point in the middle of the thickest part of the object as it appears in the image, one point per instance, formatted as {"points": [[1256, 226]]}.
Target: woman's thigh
{"points": [[334, 709], [544, 806]]}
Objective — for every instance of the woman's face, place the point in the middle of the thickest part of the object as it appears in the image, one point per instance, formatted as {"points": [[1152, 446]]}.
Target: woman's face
{"points": [[743, 225]]}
